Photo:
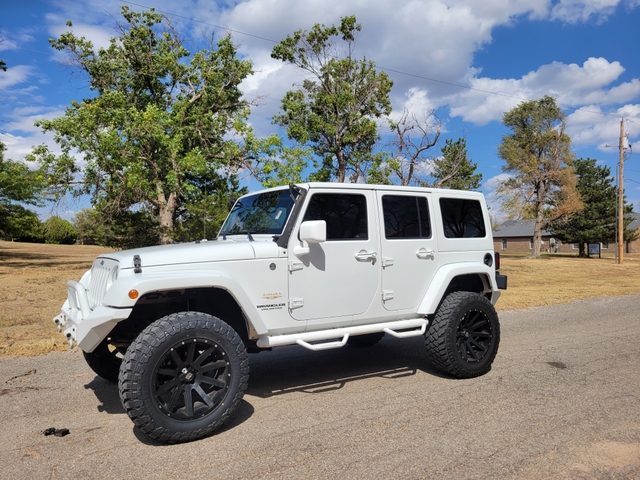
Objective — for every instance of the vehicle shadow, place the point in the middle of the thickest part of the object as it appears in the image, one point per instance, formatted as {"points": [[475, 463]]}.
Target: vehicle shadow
{"points": [[107, 394], [241, 415], [292, 369], [296, 369]]}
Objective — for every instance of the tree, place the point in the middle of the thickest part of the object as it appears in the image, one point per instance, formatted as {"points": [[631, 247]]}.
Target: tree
{"points": [[538, 156], [20, 224], [336, 109], [17, 184], [413, 137], [160, 118], [91, 227], [454, 169], [596, 222], [59, 231], [205, 209]]}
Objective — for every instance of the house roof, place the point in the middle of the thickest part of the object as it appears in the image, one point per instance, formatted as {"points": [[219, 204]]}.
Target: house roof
{"points": [[635, 223], [517, 228], [524, 228]]}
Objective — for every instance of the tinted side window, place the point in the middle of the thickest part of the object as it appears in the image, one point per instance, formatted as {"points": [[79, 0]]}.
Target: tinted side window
{"points": [[405, 217], [345, 214], [462, 218]]}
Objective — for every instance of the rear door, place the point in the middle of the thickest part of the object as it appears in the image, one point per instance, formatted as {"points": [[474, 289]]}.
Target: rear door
{"points": [[409, 253]]}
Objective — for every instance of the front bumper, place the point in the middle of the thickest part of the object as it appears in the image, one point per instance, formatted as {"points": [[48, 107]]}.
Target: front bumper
{"points": [[85, 325]]}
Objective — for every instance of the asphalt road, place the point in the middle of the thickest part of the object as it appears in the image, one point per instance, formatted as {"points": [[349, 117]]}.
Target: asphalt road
{"points": [[562, 401]]}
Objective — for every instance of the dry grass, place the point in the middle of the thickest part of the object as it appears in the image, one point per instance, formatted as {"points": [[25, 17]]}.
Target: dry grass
{"points": [[33, 279], [558, 278]]}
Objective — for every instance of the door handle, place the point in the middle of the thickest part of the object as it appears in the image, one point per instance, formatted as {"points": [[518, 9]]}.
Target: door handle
{"points": [[424, 253], [364, 256]]}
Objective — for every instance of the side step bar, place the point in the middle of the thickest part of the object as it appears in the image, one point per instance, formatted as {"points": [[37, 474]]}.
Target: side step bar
{"points": [[411, 328]]}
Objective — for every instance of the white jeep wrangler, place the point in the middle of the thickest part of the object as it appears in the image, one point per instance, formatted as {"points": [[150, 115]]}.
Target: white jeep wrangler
{"points": [[318, 265]]}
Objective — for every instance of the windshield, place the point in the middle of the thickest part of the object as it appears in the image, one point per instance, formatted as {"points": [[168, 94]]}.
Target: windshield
{"points": [[260, 213]]}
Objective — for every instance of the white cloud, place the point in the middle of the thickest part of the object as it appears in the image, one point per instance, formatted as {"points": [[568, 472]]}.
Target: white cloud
{"points": [[587, 127], [494, 182], [15, 76], [434, 39], [575, 11], [6, 44], [571, 85]]}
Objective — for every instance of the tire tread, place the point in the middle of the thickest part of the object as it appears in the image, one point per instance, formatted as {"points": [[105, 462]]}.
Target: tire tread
{"points": [[152, 337]]}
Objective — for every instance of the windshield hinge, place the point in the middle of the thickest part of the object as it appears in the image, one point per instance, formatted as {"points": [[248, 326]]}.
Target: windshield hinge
{"points": [[137, 264]]}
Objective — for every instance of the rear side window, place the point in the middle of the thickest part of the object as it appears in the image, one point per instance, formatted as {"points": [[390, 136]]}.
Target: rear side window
{"points": [[345, 214], [405, 217], [462, 218]]}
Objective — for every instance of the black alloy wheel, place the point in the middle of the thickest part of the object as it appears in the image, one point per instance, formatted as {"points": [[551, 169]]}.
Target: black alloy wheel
{"points": [[463, 337], [191, 379], [183, 377]]}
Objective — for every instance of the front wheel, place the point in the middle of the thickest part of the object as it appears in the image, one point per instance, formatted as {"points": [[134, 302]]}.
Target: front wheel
{"points": [[464, 336], [183, 377], [105, 359]]}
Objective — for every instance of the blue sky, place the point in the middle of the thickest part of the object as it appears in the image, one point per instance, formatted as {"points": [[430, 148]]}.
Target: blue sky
{"points": [[450, 52]]}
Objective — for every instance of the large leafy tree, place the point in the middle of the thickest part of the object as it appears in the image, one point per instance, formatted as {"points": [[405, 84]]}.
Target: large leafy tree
{"points": [[596, 222], [542, 183], [335, 110], [17, 184], [454, 169], [160, 120]]}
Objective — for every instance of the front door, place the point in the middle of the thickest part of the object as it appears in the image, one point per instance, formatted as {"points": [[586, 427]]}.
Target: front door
{"points": [[339, 277]]}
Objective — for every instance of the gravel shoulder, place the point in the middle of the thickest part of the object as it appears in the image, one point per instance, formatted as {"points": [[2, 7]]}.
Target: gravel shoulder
{"points": [[562, 401]]}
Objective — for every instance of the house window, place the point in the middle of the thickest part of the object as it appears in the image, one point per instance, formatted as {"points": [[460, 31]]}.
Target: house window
{"points": [[575, 246], [605, 246], [504, 243], [531, 244]]}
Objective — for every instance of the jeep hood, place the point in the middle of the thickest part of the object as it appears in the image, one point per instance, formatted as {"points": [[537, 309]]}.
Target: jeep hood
{"points": [[203, 252]]}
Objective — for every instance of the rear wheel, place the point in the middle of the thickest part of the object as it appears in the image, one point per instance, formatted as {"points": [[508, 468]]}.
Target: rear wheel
{"points": [[183, 377], [464, 336]]}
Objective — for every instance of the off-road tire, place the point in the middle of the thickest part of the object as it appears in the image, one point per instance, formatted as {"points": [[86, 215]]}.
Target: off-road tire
{"points": [[464, 336], [105, 360], [183, 377], [366, 340]]}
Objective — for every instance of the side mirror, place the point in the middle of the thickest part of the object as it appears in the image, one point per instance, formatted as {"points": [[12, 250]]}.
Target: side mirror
{"points": [[312, 231]]}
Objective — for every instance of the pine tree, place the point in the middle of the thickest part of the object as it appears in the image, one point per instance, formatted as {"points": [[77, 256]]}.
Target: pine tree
{"points": [[454, 169], [596, 222]]}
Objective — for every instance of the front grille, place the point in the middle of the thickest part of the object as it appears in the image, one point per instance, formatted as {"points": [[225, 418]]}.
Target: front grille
{"points": [[101, 279]]}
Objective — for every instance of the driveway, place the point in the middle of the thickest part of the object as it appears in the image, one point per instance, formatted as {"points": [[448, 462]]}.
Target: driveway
{"points": [[562, 401]]}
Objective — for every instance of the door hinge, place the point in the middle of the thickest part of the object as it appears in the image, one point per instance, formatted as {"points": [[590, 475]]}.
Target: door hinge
{"points": [[293, 265], [296, 302], [387, 261], [387, 295]]}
